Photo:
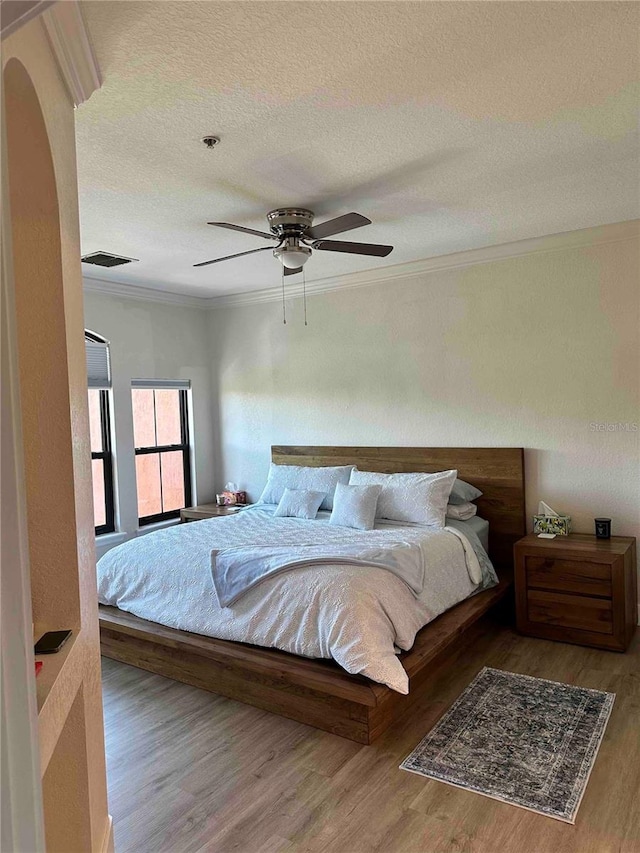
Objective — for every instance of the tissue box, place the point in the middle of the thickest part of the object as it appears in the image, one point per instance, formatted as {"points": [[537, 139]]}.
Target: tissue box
{"points": [[560, 524], [233, 498]]}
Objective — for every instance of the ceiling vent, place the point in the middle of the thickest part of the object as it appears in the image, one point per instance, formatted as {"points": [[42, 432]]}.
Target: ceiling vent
{"points": [[106, 259]]}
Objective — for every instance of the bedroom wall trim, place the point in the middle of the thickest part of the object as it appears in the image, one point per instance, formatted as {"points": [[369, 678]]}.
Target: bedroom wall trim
{"points": [[617, 232], [142, 294], [72, 49], [613, 233], [14, 15]]}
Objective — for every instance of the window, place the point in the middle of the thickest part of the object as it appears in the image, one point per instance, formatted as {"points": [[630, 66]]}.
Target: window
{"points": [[161, 437], [99, 381]]}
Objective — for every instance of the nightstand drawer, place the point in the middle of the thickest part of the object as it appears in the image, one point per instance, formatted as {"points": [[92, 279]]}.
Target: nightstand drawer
{"points": [[566, 575], [570, 611]]}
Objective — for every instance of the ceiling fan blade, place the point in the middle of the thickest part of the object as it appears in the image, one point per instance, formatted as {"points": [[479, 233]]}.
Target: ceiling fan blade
{"points": [[245, 230], [287, 271], [353, 248], [229, 257], [337, 226]]}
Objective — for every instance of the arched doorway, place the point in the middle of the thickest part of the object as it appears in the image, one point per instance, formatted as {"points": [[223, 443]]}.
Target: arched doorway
{"points": [[36, 282], [42, 353]]}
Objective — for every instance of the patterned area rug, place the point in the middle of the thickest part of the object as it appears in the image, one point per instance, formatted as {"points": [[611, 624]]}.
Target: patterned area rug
{"points": [[522, 740]]}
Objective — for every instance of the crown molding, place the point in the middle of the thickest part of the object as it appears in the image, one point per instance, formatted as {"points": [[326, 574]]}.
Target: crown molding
{"points": [[614, 233], [141, 294], [71, 46], [16, 15]]}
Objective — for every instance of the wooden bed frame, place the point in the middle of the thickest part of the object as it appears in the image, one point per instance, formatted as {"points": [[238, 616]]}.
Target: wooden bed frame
{"points": [[319, 692]]}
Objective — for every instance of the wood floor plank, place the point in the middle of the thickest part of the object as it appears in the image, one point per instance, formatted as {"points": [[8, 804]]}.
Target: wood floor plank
{"points": [[192, 772]]}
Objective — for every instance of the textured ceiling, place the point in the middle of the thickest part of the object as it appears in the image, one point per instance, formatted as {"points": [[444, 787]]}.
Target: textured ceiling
{"points": [[451, 125]]}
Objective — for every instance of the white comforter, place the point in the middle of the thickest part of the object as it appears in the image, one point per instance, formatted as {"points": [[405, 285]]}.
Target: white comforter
{"points": [[359, 616]]}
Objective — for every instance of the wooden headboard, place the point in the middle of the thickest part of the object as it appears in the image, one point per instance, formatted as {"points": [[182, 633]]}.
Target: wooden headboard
{"points": [[497, 471]]}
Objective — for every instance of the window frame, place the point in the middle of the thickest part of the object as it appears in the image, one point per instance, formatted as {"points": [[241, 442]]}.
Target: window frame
{"points": [[184, 446], [106, 455]]}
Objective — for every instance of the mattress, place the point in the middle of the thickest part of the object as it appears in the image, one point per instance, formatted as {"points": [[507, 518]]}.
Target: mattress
{"points": [[360, 616], [480, 527]]}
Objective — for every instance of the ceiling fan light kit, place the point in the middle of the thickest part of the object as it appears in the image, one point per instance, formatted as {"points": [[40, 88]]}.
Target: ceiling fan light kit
{"points": [[292, 254]]}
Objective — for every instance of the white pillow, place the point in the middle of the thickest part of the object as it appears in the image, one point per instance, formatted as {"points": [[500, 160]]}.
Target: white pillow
{"points": [[324, 479], [461, 512], [299, 503], [417, 498], [355, 506]]}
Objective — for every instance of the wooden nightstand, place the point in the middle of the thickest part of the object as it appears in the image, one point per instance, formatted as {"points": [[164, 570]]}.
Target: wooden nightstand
{"points": [[577, 589], [195, 513]]}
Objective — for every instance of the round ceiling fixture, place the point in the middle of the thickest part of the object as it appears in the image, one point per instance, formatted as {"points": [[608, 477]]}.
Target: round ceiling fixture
{"points": [[291, 254], [211, 141]]}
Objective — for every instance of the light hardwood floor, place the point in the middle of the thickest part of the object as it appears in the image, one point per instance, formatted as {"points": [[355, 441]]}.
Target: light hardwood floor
{"points": [[190, 771]]}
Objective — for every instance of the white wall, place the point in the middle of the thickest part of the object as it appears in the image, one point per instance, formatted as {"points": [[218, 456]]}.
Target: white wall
{"points": [[530, 351], [540, 351], [150, 340]]}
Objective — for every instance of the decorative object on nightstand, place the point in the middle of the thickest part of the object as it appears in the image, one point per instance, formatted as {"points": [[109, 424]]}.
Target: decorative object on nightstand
{"points": [[196, 513], [548, 522], [603, 528], [231, 496], [577, 589]]}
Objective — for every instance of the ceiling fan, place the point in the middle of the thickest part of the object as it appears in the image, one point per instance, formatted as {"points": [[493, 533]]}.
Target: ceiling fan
{"points": [[297, 237]]}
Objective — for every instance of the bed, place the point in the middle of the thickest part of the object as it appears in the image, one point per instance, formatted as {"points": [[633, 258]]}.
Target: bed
{"points": [[319, 692]]}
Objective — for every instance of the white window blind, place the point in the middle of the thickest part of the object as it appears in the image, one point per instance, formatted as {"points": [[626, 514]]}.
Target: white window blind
{"points": [[181, 384], [98, 365]]}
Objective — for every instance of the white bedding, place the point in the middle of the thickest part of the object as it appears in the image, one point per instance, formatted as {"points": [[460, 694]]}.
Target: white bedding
{"points": [[359, 616]]}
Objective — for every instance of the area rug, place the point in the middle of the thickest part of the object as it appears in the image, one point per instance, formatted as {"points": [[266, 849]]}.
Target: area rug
{"points": [[518, 739]]}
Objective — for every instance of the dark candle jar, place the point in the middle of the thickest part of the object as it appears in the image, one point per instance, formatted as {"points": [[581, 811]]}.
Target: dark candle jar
{"points": [[603, 528]]}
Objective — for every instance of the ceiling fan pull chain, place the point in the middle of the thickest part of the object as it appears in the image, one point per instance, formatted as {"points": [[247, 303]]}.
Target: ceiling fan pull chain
{"points": [[284, 306], [304, 296]]}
